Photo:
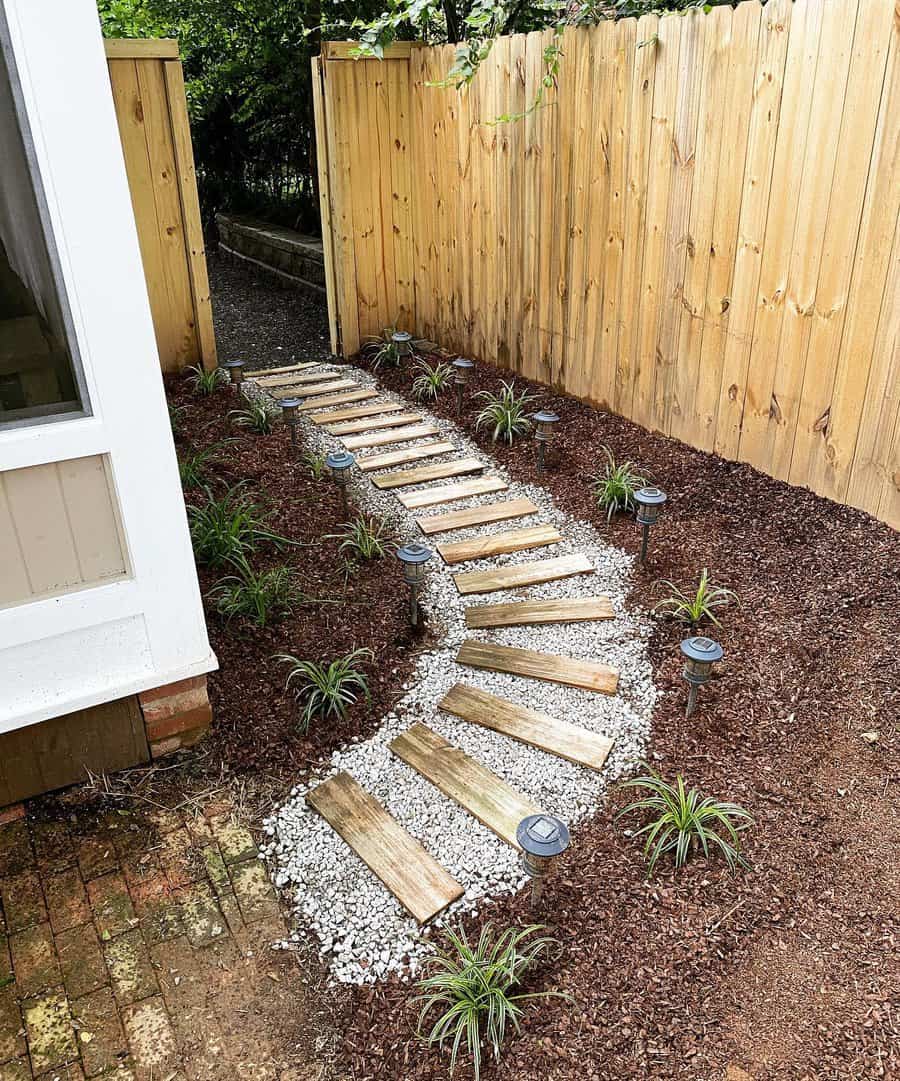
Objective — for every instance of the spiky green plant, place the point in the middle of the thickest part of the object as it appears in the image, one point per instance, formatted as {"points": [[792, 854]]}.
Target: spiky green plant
{"points": [[315, 464], [473, 989], [230, 527], [327, 690], [262, 597], [204, 382], [616, 485], [381, 350], [699, 605], [257, 416], [505, 413], [363, 538], [684, 819], [431, 380], [176, 418]]}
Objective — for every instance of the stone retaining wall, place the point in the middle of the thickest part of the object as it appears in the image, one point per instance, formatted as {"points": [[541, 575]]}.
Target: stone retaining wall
{"points": [[291, 258]]}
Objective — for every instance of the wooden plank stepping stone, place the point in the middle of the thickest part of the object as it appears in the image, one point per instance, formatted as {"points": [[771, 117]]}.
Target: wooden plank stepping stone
{"points": [[562, 610], [395, 435], [591, 675], [447, 493], [373, 424], [487, 512], [357, 411], [316, 389], [495, 544], [336, 399], [284, 371], [428, 472], [368, 462], [413, 876], [525, 574], [565, 740], [295, 380], [473, 786]]}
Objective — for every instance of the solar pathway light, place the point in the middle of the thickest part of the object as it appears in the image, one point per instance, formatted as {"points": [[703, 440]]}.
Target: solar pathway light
{"points": [[414, 556], [649, 506], [339, 463], [235, 369], [545, 422], [700, 654], [542, 838], [289, 408], [462, 369], [402, 340]]}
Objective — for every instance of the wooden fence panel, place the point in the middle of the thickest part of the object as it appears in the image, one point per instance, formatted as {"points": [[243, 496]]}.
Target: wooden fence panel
{"points": [[697, 229], [148, 92]]}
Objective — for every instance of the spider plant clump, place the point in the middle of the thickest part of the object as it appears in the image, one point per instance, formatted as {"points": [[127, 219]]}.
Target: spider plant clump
{"points": [[257, 416], [363, 538], [472, 989], [380, 351], [693, 607], [616, 485], [192, 467], [262, 598], [684, 820], [205, 382], [327, 690], [506, 413], [315, 464], [230, 528], [431, 380]]}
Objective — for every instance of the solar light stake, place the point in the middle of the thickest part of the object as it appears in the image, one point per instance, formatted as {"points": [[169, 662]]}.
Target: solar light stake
{"points": [[402, 343], [541, 838], [414, 556], [545, 422], [700, 654], [289, 407], [339, 462], [649, 506], [462, 369], [235, 369]]}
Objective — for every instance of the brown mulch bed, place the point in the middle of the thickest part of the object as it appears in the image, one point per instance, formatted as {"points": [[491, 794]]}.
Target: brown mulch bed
{"points": [[783, 972]]}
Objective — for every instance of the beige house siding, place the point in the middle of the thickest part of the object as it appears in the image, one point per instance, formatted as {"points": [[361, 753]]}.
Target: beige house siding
{"points": [[59, 529]]}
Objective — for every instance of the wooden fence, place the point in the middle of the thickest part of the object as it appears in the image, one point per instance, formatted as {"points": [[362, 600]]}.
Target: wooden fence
{"points": [[148, 91], [699, 230]]}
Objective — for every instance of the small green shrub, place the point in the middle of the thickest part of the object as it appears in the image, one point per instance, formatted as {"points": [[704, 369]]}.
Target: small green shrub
{"points": [[380, 351], [431, 380], [505, 413], [192, 467], [473, 989], [229, 528], [684, 819], [363, 538], [327, 691], [205, 382], [315, 463], [257, 416], [616, 485], [263, 598], [694, 607]]}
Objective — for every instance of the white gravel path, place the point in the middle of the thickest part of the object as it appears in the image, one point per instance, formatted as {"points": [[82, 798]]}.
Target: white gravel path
{"points": [[363, 932]]}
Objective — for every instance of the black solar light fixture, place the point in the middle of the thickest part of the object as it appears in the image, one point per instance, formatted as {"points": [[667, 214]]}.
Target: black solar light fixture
{"points": [[339, 463], [414, 557], [544, 424], [462, 369], [290, 416], [402, 340], [700, 654], [542, 838], [649, 507], [235, 369]]}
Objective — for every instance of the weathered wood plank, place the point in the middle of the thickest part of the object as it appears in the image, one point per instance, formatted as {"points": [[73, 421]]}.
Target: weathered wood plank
{"points": [[358, 411], [558, 737], [396, 435], [525, 574], [428, 472], [591, 675], [447, 493], [257, 372], [344, 398], [473, 786], [373, 423], [317, 389], [562, 610], [413, 876], [481, 515], [495, 544], [295, 380], [368, 462]]}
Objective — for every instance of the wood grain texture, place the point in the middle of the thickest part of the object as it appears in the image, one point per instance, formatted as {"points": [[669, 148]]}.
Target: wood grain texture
{"points": [[344, 398], [397, 435], [413, 876], [368, 462], [373, 423], [473, 786], [495, 544], [481, 515], [550, 734], [141, 48], [356, 412], [524, 574], [286, 370], [449, 493], [331, 387], [590, 675], [564, 610], [428, 472], [295, 379]]}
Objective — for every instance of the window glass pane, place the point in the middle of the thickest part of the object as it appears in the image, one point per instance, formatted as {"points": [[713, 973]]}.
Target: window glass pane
{"points": [[37, 374]]}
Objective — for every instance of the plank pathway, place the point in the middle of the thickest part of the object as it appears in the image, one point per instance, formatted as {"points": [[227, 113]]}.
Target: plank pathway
{"points": [[430, 497], [373, 423], [494, 544], [368, 462], [330, 387], [395, 435], [564, 610], [414, 877], [480, 515], [522, 574], [357, 411], [428, 472], [297, 380], [337, 399], [264, 373], [590, 675]]}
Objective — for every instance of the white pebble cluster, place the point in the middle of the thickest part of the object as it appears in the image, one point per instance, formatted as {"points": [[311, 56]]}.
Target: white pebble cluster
{"points": [[363, 932]]}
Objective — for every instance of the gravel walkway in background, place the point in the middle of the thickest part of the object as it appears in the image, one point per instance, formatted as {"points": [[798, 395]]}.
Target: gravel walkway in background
{"points": [[363, 932]]}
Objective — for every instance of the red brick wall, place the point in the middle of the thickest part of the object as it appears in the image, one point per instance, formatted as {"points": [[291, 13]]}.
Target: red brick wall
{"points": [[176, 715]]}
